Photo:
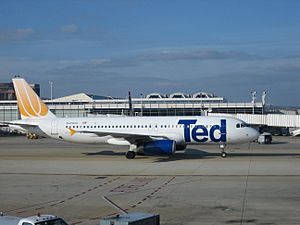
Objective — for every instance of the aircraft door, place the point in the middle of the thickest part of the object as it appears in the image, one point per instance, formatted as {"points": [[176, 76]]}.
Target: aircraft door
{"points": [[54, 127]]}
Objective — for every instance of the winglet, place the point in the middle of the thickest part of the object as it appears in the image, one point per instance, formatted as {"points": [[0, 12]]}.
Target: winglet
{"points": [[29, 103]]}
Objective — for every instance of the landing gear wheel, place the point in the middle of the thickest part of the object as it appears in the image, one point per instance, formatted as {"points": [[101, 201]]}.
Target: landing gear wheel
{"points": [[130, 155], [223, 154]]}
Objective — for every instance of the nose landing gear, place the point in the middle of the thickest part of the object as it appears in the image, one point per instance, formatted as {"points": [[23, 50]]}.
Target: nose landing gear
{"points": [[223, 153]]}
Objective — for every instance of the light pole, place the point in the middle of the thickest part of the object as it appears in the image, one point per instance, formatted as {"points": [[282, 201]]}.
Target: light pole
{"points": [[253, 93], [142, 96], [263, 100], [51, 89]]}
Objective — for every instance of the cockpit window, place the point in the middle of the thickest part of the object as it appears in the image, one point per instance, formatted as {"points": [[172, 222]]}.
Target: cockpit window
{"points": [[245, 125], [241, 125]]}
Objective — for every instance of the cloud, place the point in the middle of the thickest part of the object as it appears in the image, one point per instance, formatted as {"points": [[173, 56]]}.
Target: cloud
{"points": [[71, 28], [115, 76], [119, 71], [94, 79], [166, 55], [192, 54], [15, 35]]}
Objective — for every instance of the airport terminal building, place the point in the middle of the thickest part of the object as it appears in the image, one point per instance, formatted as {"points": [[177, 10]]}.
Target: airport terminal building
{"points": [[154, 104]]}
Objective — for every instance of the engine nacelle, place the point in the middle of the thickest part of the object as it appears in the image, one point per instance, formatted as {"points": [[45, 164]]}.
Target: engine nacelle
{"points": [[159, 147]]}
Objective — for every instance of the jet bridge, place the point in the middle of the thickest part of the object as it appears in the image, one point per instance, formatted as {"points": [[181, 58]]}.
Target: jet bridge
{"points": [[271, 120]]}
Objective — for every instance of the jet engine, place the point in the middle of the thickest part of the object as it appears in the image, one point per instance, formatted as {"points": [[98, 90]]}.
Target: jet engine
{"points": [[159, 147]]}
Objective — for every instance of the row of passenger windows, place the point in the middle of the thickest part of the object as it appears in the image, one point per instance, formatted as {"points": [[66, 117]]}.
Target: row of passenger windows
{"points": [[136, 126], [108, 126]]}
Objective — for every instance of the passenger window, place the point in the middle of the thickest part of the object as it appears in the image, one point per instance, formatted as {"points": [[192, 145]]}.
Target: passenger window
{"points": [[83, 126], [238, 125], [138, 126], [145, 126]]}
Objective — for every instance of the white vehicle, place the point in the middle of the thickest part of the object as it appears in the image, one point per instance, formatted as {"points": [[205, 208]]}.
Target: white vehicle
{"points": [[145, 135], [33, 220]]}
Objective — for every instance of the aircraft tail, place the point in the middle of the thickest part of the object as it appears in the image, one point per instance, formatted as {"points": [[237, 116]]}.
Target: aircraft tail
{"points": [[29, 104]]}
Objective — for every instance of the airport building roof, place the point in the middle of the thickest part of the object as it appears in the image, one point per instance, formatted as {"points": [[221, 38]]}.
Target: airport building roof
{"points": [[81, 97]]}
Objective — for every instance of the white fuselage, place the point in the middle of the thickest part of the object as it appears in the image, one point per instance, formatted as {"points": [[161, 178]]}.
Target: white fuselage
{"points": [[113, 130]]}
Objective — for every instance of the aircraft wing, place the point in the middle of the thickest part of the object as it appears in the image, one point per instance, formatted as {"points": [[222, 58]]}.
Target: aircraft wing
{"points": [[6, 124], [132, 138], [3, 124]]}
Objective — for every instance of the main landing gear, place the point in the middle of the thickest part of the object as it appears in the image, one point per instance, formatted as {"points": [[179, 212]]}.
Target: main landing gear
{"points": [[130, 155], [223, 153], [132, 151]]}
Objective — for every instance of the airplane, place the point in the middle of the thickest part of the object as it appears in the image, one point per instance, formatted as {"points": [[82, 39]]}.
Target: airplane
{"points": [[144, 135]]}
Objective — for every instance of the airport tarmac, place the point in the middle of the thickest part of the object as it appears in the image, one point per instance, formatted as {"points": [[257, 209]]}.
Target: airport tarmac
{"points": [[256, 184]]}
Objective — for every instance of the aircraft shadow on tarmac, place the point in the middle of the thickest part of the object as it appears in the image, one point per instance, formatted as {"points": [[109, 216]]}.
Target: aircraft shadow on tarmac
{"points": [[200, 154], [194, 154], [112, 153], [279, 142]]}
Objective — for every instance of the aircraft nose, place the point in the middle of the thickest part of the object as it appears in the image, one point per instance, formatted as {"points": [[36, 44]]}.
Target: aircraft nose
{"points": [[253, 134]]}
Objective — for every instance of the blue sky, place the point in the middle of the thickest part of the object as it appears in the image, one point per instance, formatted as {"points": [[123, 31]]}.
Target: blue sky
{"points": [[109, 47]]}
